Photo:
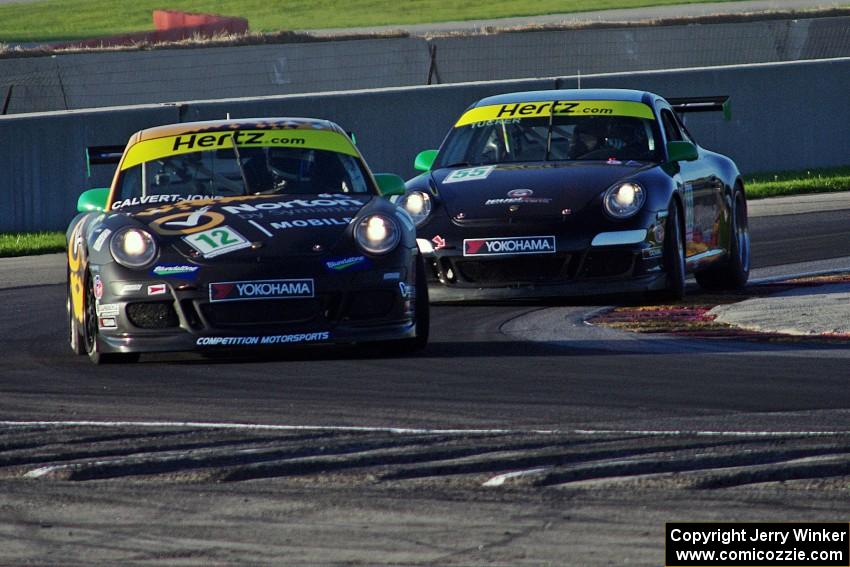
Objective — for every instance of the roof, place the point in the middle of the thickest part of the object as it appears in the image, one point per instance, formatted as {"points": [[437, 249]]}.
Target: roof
{"points": [[235, 125], [567, 94]]}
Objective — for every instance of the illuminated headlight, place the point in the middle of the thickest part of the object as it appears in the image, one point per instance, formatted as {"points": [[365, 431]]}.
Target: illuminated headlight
{"points": [[418, 206], [133, 247], [377, 234], [624, 200]]}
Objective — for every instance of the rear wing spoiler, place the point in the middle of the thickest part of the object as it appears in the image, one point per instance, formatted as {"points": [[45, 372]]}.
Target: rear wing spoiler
{"points": [[703, 104], [101, 155]]}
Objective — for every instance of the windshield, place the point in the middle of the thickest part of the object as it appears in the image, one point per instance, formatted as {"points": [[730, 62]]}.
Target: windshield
{"points": [[544, 137], [243, 170]]}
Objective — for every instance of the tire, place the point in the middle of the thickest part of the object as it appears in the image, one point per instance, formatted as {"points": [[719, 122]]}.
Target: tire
{"points": [[422, 313], [674, 255], [734, 273], [90, 341], [75, 338]]}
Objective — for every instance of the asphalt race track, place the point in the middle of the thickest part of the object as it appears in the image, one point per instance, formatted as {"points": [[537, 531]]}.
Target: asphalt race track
{"points": [[604, 429]]}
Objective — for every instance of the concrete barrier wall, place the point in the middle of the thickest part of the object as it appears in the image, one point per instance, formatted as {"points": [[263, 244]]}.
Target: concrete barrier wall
{"points": [[785, 116], [589, 51], [88, 80], [43, 162]]}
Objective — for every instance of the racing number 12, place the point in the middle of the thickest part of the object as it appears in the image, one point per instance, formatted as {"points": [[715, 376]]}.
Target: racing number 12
{"points": [[216, 241], [223, 238]]}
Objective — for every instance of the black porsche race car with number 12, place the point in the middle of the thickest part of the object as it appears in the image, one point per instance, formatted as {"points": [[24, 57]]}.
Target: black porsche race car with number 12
{"points": [[239, 234], [557, 193]]}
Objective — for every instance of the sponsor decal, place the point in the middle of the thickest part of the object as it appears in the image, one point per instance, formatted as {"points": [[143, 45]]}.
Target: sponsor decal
{"points": [[306, 223], [101, 240], [408, 291], [264, 340], [439, 242], [75, 273], [392, 276], [520, 193], [323, 202], [158, 148], [511, 245], [188, 222], [502, 122], [469, 174], [519, 197], [150, 199], [217, 241], [350, 263], [107, 322], [175, 270], [157, 289], [98, 288], [542, 109], [269, 289], [655, 252], [130, 288], [107, 310]]}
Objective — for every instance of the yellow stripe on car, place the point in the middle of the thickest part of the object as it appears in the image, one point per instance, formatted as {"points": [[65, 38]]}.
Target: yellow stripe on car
{"points": [[158, 148], [542, 109]]}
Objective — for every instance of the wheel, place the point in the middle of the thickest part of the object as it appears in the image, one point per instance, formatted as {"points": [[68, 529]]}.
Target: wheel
{"points": [[422, 313], [90, 342], [735, 272], [674, 255], [75, 338]]}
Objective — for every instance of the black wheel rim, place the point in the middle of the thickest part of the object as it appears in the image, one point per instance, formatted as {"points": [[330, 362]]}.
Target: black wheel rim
{"points": [[91, 318], [680, 250], [742, 233]]}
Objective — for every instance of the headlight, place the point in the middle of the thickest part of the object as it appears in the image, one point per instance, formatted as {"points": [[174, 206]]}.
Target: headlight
{"points": [[624, 200], [377, 234], [133, 247], [418, 206]]}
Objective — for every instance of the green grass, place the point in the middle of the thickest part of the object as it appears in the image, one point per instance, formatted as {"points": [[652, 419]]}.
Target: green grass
{"points": [[31, 243], [828, 180], [58, 20]]}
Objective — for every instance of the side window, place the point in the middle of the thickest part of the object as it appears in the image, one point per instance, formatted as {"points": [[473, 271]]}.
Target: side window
{"points": [[671, 126], [686, 135]]}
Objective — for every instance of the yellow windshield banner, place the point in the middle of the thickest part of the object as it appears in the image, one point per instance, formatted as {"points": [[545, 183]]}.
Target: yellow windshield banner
{"points": [[543, 109], [188, 142]]}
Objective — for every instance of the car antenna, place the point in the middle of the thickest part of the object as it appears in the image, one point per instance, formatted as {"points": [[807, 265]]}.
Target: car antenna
{"points": [[579, 79], [239, 162]]}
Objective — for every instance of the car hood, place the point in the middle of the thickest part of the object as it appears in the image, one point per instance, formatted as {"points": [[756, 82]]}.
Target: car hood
{"points": [[527, 191], [251, 226]]}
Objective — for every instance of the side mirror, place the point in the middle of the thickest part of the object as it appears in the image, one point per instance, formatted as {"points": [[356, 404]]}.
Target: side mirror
{"points": [[424, 160], [682, 151], [93, 200], [389, 184]]}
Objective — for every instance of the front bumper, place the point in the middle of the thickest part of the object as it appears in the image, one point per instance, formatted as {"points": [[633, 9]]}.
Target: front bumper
{"points": [[346, 307], [605, 263]]}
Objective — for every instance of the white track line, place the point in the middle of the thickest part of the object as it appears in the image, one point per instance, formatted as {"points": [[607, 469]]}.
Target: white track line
{"points": [[419, 431], [499, 480], [40, 472]]}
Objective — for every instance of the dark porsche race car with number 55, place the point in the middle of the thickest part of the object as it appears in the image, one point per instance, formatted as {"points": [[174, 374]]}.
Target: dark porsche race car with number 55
{"points": [[558, 193], [239, 234]]}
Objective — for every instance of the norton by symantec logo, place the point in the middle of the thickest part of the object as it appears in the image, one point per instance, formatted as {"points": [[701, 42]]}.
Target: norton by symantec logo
{"points": [[269, 289], [502, 246]]}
